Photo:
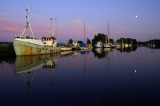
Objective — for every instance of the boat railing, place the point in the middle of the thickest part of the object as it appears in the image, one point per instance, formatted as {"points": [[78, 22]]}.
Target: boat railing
{"points": [[25, 37]]}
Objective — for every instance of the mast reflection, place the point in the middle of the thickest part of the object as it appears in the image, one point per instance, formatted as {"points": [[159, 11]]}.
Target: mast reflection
{"points": [[27, 66]]}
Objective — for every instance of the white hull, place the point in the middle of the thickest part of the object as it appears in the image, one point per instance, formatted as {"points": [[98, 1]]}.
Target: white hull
{"points": [[98, 50], [98, 46], [107, 46], [126, 45], [66, 48], [118, 46], [32, 47]]}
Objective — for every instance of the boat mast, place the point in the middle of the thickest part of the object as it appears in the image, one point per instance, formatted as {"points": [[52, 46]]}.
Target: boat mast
{"points": [[27, 24], [122, 39], [84, 32], [108, 33], [113, 35]]}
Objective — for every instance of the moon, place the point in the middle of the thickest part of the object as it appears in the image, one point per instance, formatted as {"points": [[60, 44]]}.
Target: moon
{"points": [[136, 16]]}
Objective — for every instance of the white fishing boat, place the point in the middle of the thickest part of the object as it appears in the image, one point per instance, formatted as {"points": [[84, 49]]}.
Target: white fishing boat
{"points": [[29, 45]]}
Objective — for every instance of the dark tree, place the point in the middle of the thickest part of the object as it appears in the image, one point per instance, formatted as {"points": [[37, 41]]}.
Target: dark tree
{"points": [[88, 41], [70, 41], [80, 42], [100, 37]]}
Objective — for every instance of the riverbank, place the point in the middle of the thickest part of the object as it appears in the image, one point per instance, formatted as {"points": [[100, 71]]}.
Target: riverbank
{"points": [[6, 48], [7, 52]]}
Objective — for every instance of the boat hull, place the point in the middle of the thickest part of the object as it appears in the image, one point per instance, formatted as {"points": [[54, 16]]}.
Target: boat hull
{"points": [[98, 46], [107, 45], [83, 48], [27, 48], [66, 48]]}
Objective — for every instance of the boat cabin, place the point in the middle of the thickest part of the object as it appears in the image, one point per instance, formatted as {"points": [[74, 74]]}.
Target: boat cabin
{"points": [[50, 64], [49, 41], [75, 44]]}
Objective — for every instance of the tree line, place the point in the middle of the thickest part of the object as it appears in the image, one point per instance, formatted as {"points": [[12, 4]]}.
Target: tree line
{"points": [[102, 37]]}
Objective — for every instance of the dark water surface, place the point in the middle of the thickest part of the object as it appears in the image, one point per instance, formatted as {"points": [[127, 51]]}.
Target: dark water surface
{"points": [[99, 77]]}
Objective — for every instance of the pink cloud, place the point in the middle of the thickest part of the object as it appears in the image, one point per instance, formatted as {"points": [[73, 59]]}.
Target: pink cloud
{"points": [[73, 29], [10, 26], [77, 23], [5, 15], [10, 29], [19, 27]]}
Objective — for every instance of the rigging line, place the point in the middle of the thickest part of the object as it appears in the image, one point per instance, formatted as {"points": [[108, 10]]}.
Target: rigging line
{"points": [[39, 13], [43, 17], [56, 27]]}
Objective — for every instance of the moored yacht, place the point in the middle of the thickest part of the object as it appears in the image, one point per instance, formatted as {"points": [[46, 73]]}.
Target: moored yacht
{"points": [[99, 44]]}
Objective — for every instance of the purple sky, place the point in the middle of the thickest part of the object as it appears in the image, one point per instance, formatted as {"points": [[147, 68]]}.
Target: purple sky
{"points": [[71, 15]]}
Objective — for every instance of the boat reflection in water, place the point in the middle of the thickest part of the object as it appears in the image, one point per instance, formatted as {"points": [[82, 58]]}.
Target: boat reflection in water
{"points": [[128, 49], [103, 52], [29, 64], [50, 64], [99, 53]]}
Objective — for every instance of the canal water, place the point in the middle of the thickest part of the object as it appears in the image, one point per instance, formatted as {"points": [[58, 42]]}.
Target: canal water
{"points": [[99, 77]]}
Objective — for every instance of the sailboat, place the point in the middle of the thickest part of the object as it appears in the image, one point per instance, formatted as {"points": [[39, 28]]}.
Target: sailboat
{"points": [[29, 45], [113, 45], [117, 43], [84, 46], [122, 41], [107, 44]]}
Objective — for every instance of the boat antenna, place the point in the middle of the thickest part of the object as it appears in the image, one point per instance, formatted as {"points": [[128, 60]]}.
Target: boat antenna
{"points": [[52, 22], [27, 24]]}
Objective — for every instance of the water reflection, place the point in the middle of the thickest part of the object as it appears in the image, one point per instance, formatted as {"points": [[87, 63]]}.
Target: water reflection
{"points": [[29, 64], [99, 53], [7, 58], [103, 52], [153, 46], [27, 67], [102, 76], [128, 49]]}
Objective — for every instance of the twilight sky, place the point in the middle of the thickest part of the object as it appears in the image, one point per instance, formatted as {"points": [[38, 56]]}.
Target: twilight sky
{"points": [[71, 15]]}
